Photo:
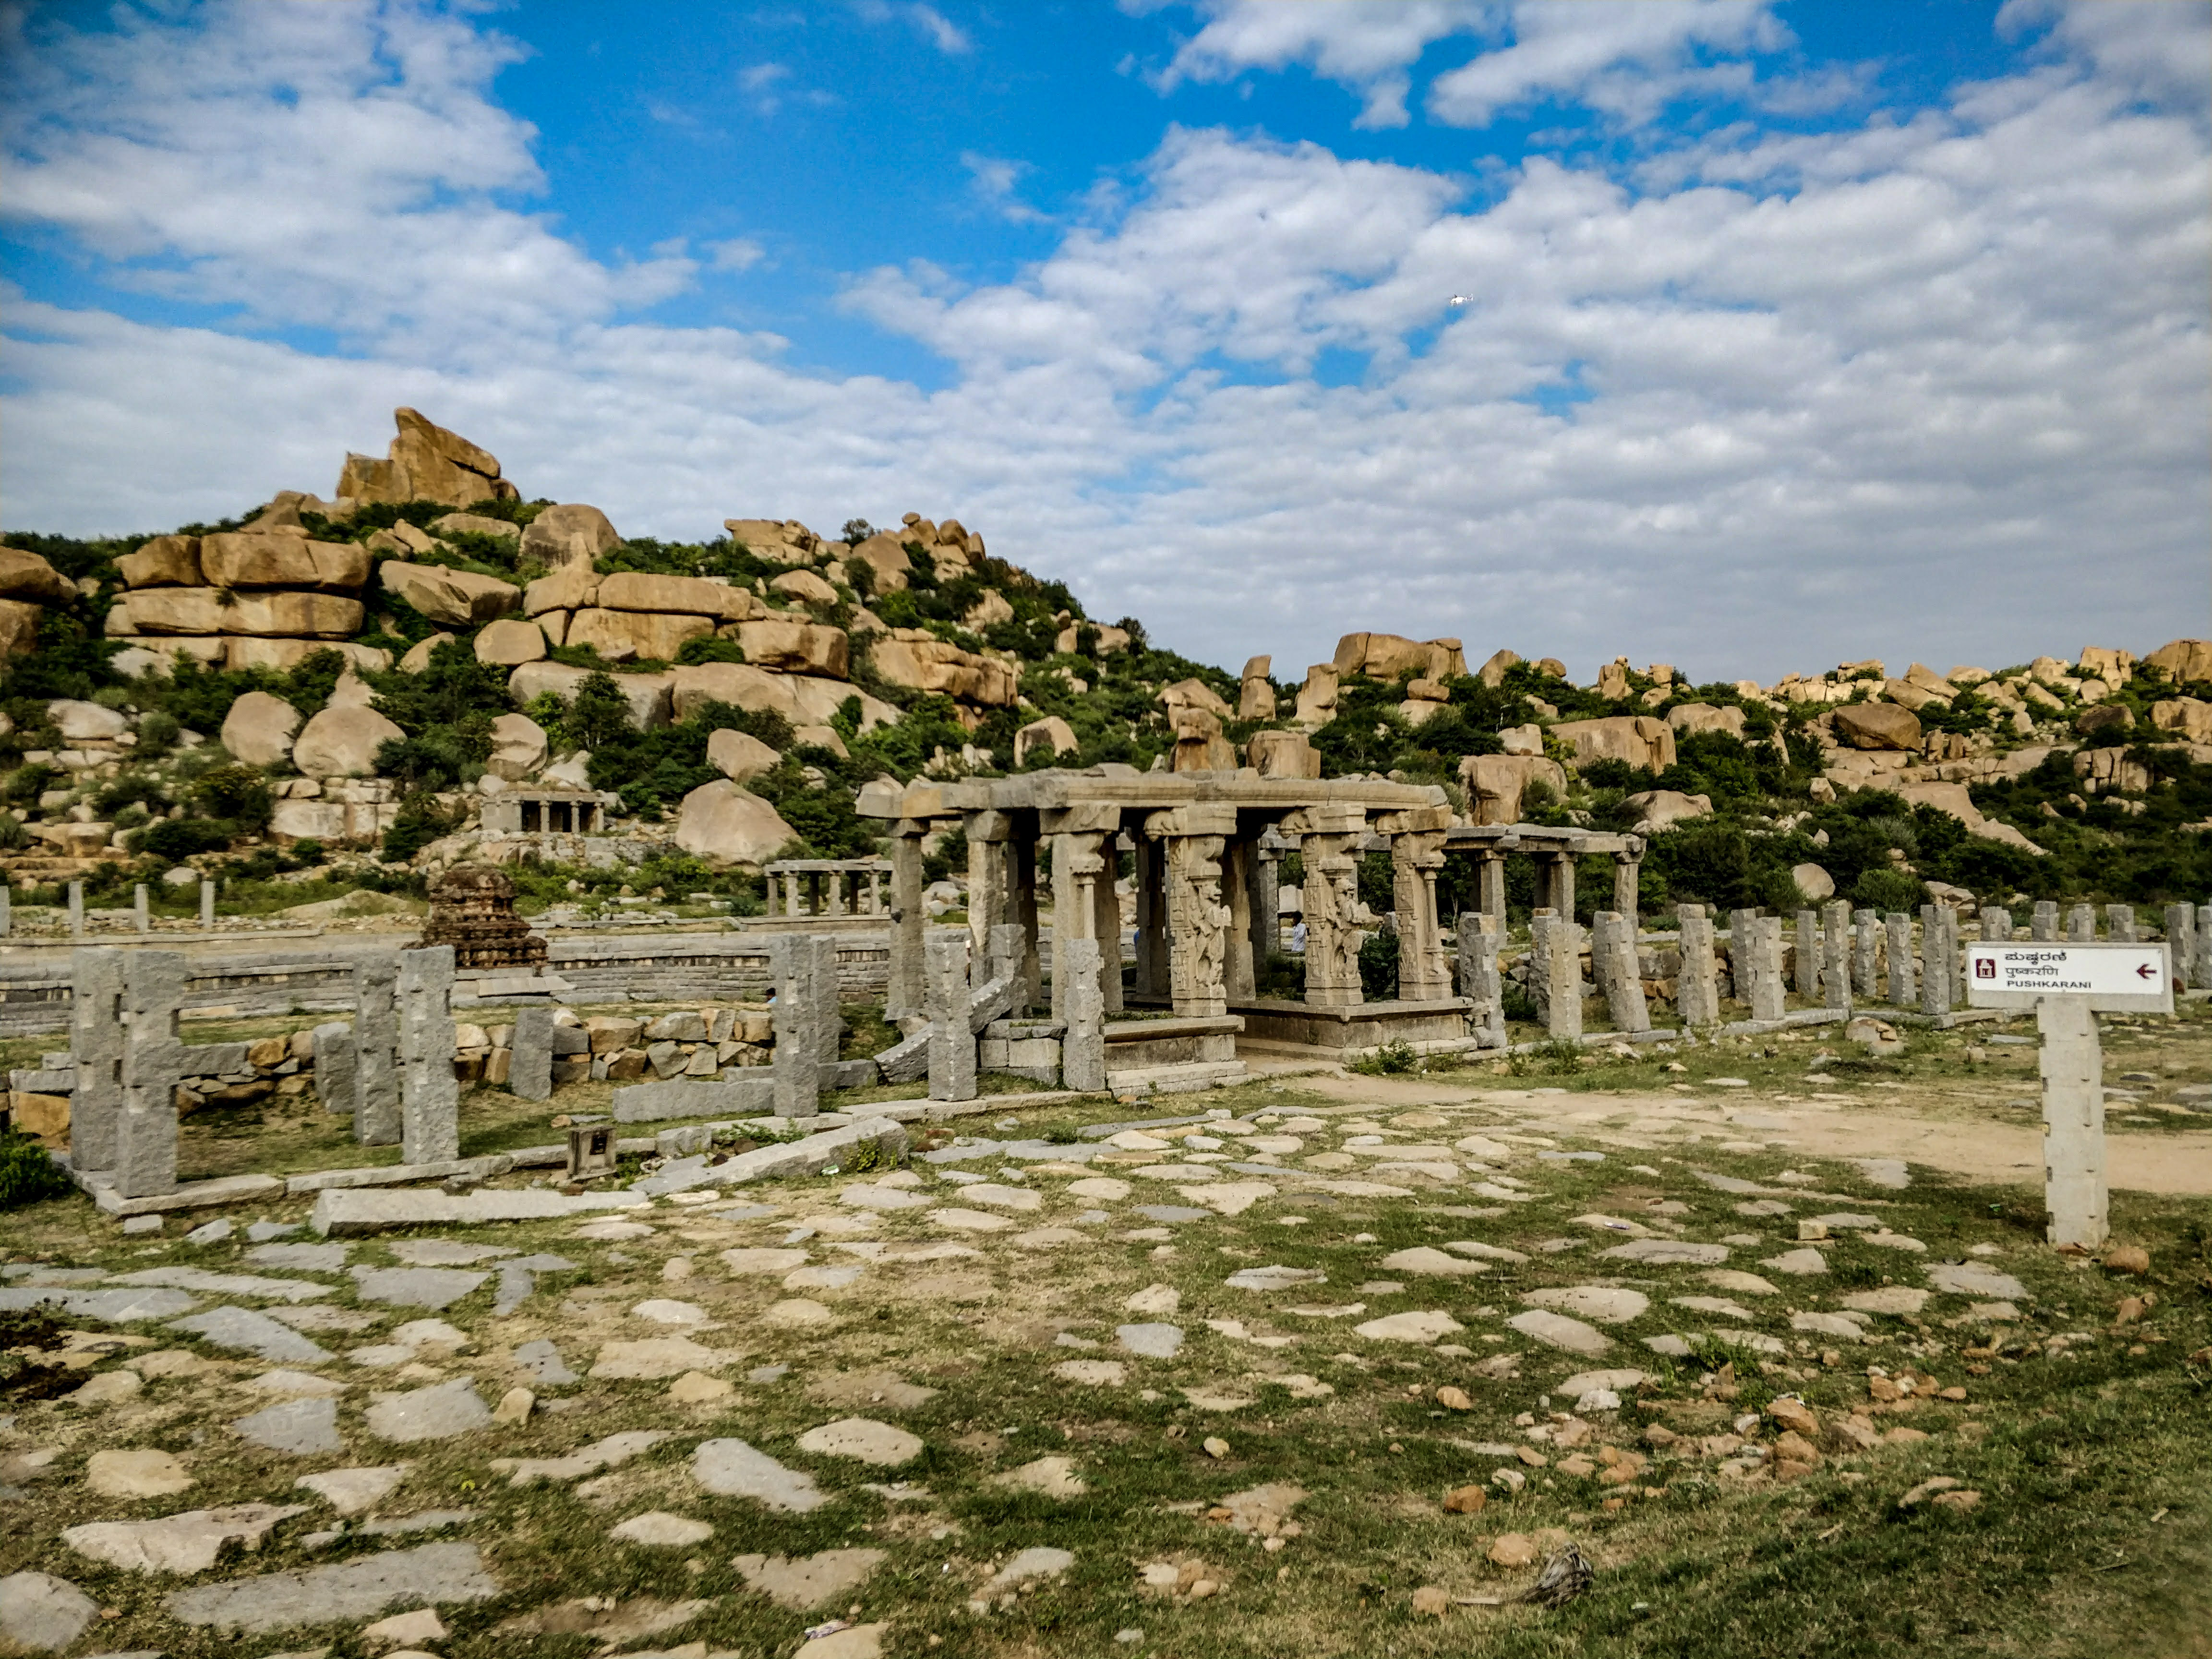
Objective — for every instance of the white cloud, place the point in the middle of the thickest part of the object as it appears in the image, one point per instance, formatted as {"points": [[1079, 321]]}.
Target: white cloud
{"points": [[995, 179], [1366, 47], [933, 24], [1934, 388], [737, 254]]}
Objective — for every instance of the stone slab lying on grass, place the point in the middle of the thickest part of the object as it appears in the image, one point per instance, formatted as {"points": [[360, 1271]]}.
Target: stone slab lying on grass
{"points": [[731, 1469], [611, 1452], [657, 1530], [299, 1258], [804, 1581], [1433, 1264], [352, 1491], [1668, 1251], [1558, 1330], [253, 1285], [1605, 1303], [542, 1363], [1425, 1326], [1039, 1561], [1889, 1299], [140, 1473], [1972, 1278], [42, 1613], [187, 1542], [447, 1252], [302, 1428], [191, 1195], [110, 1307], [348, 1590], [863, 1438], [346, 1213], [415, 1287], [437, 1412], [1153, 1341], [245, 1331], [809, 1156]]}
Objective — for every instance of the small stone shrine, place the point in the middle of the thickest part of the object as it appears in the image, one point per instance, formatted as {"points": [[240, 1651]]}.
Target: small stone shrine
{"points": [[473, 909]]}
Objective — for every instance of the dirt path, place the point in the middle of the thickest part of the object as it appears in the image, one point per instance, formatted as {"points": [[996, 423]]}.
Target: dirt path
{"points": [[2165, 1162]]}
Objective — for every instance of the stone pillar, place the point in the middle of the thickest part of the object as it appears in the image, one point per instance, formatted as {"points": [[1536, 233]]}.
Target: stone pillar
{"points": [[2043, 928], [951, 1044], [1903, 986], [152, 1066], [1021, 908], [429, 1093], [833, 892], [7, 910], [1239, 971], [1563, 886], [207, 904], [827, 1002], [76, 909], [1937, 959], [1562, 1013], [2120, 923], [1835, 956], [1491, 881], [1266, 903], [1866, 954], [376, 1051], [1106, 923], [1083, 1045], [1627, 887], [2073, 1067], [1808, 953], [1198, 924], [96, 1050], [989, 903], [1077, 868], [529, 1073], [337, 1067], [2181, 942], [1613, 964], [139, 914], [875, 892], [2082, 925], [1770, 987], [905, 994], [1151, 893], [1539, 976], [2201, 940], [1996, 925], [1332, 897], [1423, 965], [1479, 936], [1743, 925], [796, 1066], [1695, 994]]}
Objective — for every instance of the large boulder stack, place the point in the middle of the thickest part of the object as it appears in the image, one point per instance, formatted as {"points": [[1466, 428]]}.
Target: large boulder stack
{"points": [[917, 658], [425, 463], [1643, 742], [244, 599], [27, 583], [1386, 656], [727, 826]]}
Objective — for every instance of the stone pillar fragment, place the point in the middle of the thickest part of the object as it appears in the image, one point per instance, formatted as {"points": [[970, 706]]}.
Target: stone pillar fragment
{"points": [[7, 910], [1938, 960], [207, 904], [1996, 925], [2043, 928], [141, 917], [2201, 974], [1022, 909], [795, 1074], [1423, 965], [376, 1051], [951, 1044], [1836, 956], [76, 909], [1561, 965], [337, 1063], [1808, 953], [2082, 925], [152, 1066], [529, 1073], [1491, 881], [1332, 899], [2120, 923], [1079, 865], [1538, 965], [1743, 925], [96, 1048], [1866, 954], [904, 995], [1239, 971], [1696, 995], [989, 900], [829, 1002], [1612, 965], [1106, 926], [1479, 936], [1769, 988], [429, 1093], [2181, 942], [1627, 888], [1198, 923], [1151, 895], [1903, 983], [1266, 903], [2073, 1067], [1083, 1046]]}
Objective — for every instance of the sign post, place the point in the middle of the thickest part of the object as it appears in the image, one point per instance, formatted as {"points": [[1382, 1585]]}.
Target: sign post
{"points": [[2068, 985]]}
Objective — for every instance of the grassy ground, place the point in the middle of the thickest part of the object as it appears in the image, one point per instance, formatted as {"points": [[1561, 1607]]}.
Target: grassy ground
{"points": [[2091, 1536]]}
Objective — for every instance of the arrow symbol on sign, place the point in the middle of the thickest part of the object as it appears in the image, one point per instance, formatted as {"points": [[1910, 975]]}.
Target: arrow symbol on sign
{"points": [[2145, 972]]}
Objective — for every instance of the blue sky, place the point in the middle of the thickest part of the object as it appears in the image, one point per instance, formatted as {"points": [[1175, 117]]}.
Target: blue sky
{"points": [[1790, 333]]}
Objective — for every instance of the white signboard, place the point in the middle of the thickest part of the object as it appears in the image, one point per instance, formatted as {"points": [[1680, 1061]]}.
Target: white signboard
{"points": [[2116, 979]]}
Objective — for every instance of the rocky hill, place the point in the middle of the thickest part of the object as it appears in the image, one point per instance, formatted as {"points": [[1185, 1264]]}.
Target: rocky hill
{"points": [[334, 690]]}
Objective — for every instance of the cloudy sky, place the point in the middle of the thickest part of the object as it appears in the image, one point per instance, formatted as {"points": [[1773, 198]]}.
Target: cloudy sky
{"points": [[1746, 336]]}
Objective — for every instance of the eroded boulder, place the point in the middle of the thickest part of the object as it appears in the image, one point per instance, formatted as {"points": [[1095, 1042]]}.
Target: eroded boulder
{"points": [[727, 825], [341, 742], [260, 728]]}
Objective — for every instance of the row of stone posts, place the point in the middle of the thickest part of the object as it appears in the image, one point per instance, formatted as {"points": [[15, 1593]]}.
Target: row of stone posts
{"points": [[141, 908]]}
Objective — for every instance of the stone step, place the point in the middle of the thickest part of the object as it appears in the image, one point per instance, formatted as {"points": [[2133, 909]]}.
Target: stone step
{"points": [[1140, 1081]]}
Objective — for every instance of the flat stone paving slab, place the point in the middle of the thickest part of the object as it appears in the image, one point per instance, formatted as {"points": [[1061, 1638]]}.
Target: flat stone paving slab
{"points": [[446, 1252], [1972, 1278], [1607, 1304], [542, 1361], [437, 1412], [117, 1307], [299, 1258], [185, 1543], [864, 1438], [1153, 1341], [245, 1331], [352, 1492], [1558, 1330], [139, 1473], [304, 1428], [253, 1285], [351, 1590], [800, 1583], [43, 1614], [415, 1287], [731, 1469]]}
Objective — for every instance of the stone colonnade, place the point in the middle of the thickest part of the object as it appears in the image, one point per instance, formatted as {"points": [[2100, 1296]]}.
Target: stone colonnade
{"points": [[826, 887]]}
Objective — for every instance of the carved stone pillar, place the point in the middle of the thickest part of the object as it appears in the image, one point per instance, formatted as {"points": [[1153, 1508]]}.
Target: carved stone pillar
{"points": [[1152, 917], [1079, 866], [1627, 882], [1239, 974], [906, 991], [1106, 926], [1197, 921], [1022, 905], [1424, 963], [1266, 900], [1329, 844], [989, 897], [1491, 878]]}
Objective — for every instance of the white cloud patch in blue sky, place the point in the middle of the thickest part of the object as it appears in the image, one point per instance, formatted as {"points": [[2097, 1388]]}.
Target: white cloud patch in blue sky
{"points": [[1786, 340]]}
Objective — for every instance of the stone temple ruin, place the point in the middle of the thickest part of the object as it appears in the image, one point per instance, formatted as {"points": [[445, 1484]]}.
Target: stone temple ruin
{"points": [[472, 911]]}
